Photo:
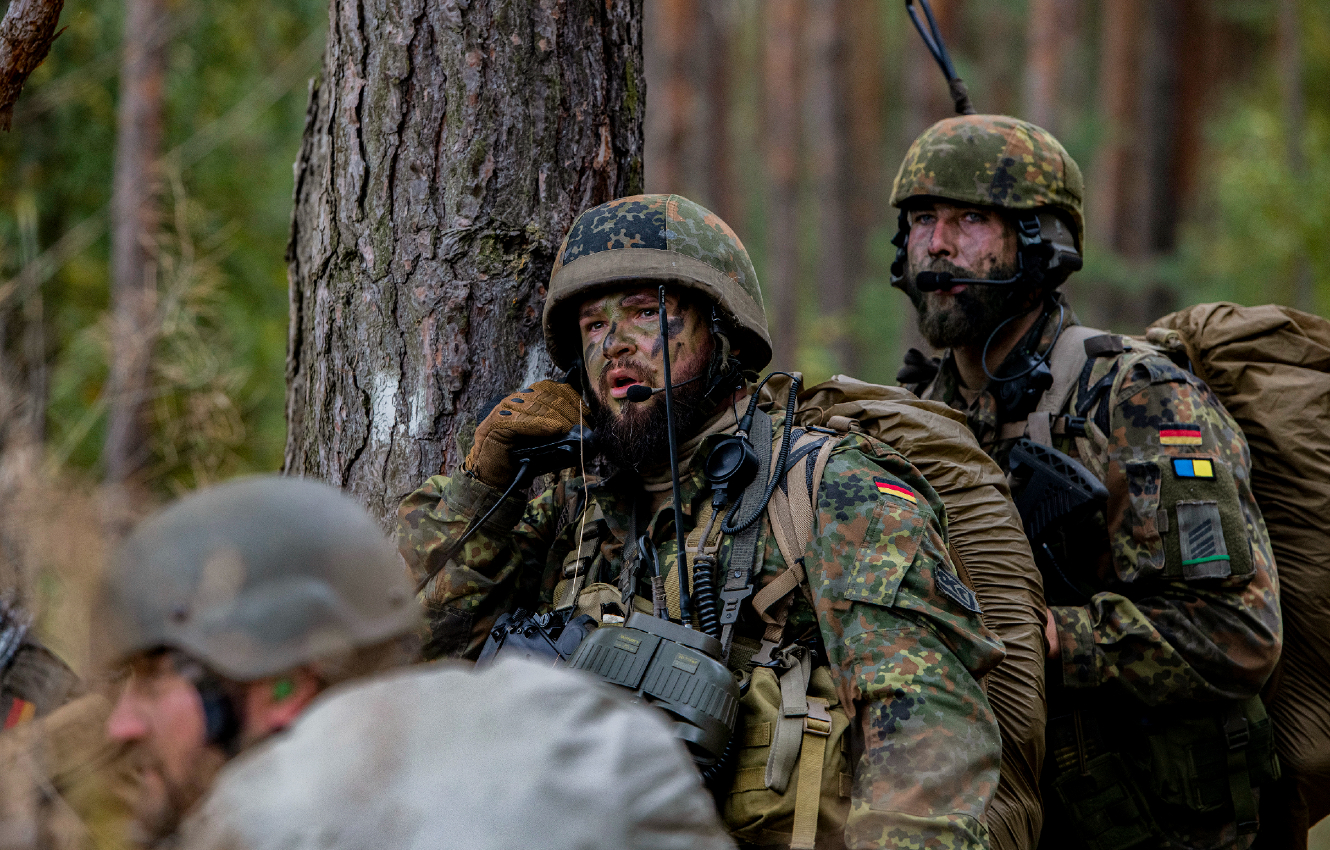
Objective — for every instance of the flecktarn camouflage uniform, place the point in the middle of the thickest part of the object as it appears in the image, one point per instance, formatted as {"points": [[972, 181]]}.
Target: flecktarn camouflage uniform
{"points": [[882, 599], [1168, 619], [1174, 622]]}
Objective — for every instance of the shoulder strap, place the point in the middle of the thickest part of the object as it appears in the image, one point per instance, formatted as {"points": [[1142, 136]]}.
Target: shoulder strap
{"points": [[792, 514], [1066, 362]]}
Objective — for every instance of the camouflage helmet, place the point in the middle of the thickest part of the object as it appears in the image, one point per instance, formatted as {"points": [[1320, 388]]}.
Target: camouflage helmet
{"points": [[255, 577], [993, 160], [662, 238]]}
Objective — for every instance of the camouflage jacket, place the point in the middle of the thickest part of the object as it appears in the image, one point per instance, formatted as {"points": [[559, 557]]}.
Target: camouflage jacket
{"points": [[902, 651], [1160, 630], [1180, 596]]}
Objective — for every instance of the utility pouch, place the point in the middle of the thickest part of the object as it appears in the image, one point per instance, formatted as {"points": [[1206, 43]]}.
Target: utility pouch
{"points": [[543, 638], [792, 782], [1203, 762], [1104, 805]]}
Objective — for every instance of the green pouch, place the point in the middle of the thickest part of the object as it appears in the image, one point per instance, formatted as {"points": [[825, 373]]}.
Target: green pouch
{"points": [[1105, 806], [1192, 760], [757, 815]]}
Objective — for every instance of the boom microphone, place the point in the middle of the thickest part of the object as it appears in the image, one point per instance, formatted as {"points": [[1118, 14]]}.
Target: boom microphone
{"points": [[641, 392], [933, 281]]}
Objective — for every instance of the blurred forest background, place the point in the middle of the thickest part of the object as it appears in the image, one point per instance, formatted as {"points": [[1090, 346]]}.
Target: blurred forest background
{"points": [[1203, 127]]}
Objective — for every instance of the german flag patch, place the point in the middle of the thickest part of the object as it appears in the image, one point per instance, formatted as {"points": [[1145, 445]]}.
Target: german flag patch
{"points": [[895, 490], [19, 711], [1180, 435]]}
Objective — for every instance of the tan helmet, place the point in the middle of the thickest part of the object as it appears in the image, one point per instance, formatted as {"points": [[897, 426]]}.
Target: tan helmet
{"points": [[255, 577], [655, 238], [996, 161]]}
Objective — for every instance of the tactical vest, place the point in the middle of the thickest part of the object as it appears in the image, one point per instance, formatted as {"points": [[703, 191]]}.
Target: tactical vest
{"points": [[791, 720], [1126, 775]]}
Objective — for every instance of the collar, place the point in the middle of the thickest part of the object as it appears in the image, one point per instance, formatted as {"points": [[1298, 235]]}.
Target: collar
{"points": [[982, 413]]}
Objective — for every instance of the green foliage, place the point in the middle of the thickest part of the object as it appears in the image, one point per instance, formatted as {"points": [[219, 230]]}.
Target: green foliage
{"points": [[235, 99]]}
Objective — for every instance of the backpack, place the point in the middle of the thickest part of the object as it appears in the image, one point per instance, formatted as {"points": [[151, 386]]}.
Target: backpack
{"points": [[1270, 366], [990, 551]]}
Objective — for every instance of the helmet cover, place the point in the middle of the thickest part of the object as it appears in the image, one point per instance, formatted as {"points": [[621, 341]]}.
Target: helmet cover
{"points": [[648, 239]]}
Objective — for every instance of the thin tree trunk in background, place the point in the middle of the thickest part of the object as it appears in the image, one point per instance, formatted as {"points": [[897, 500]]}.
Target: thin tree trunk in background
{"points": [[783, 30], [673, 26], [448, 147], [827, 108], [868, 186], [1117, 87], [135, 215], [717, 163], [1050, 31], [1150, 228], [1289, 50]]}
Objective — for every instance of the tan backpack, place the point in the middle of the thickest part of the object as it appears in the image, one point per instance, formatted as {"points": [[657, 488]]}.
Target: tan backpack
{"points": [[994, 560], [1270, 366]]}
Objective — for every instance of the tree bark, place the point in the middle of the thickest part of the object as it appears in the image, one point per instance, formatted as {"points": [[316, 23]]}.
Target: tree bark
{"points": [[783, 21], [448, 147], [135, 218], [26, 34]]}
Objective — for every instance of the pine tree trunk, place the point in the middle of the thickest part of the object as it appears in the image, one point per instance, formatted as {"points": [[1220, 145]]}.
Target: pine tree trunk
{"points": [[135, 216], [448, 146]]}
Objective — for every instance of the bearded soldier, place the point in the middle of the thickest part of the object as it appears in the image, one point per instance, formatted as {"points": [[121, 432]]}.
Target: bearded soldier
{"points": [[1134, 485], [233, 612], [874, 641]]}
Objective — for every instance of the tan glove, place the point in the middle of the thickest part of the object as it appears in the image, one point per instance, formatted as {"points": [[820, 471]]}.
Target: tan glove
{"points": [[541, 413]]}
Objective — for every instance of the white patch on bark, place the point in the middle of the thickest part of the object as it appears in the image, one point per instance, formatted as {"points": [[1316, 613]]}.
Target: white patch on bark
{"points": [[538, 365], [420, 418], [383, 409]]}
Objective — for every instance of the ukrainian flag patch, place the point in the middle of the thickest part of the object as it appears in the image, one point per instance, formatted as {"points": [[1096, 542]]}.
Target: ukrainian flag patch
{"points": [[895, 490], [1180, 435], [1193, 468]]}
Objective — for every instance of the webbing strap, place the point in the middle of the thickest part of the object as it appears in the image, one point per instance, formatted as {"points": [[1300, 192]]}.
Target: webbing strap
{"points": [[1066, 362], [703, 552], [788, 734], [793, 515], [1237, 734], [586, 553], [808, 793], [738, 582]]}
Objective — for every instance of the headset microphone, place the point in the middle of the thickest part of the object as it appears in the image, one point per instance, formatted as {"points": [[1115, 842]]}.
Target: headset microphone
{"points": [[933, 281], [641, 392]]}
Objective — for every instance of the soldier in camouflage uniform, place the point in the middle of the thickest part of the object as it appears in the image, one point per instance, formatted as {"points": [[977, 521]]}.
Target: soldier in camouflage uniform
{"points": [[1165, 619], [235, 612], [901, 635]]}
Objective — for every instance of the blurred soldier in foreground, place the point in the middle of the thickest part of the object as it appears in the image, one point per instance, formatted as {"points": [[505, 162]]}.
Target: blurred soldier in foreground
{"points": [[233, 611], [861, 723], [1134, 485]]}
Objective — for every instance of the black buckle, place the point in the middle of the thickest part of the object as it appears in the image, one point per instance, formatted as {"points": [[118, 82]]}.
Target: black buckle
{"points": [[1237, 732]]}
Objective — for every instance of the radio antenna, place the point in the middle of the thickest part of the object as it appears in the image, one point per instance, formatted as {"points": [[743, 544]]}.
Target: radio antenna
{"points": [[932, 37]]}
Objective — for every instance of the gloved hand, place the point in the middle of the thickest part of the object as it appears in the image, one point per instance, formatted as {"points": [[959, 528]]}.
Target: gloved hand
{"points": [[541, 413]]}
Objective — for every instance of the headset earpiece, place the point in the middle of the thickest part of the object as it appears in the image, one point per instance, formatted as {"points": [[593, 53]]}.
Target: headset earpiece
{"points": [[901, 240]]}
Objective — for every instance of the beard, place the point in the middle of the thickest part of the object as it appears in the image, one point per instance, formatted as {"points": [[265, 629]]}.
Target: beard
{"points": [[161, 801], [969, 316], [637, 438]]}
